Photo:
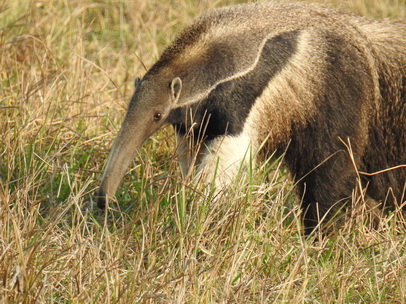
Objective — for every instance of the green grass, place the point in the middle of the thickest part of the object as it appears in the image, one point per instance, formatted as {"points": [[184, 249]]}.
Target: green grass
{"points": [[66, 74]]}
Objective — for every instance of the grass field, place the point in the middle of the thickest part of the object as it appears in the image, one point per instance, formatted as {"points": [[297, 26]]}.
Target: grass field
{"points": [[66, 75]]}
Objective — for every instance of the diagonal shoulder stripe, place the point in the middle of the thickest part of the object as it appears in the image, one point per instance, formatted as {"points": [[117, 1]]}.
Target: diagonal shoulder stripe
{"points": [[228, 102]]}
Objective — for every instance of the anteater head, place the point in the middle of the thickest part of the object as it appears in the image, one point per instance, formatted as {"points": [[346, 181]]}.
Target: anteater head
{"points": [[149, 108]]}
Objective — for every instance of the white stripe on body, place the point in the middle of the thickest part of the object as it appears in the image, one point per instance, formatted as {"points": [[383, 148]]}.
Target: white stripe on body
{"points": [[220, 160]]}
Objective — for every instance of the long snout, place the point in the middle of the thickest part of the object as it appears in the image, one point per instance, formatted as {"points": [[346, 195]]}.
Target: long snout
{"points": [[125, 147]]}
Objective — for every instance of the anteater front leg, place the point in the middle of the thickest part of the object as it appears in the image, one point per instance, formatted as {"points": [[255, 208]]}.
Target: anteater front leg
{"points": [[221, 159]]}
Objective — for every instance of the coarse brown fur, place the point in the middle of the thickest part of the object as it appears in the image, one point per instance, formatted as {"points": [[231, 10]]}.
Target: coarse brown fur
{"points": [[326, 88]]}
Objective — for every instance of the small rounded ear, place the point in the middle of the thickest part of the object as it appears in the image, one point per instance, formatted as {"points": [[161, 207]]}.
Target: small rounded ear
{"points": [[137, 82], [176, 88]]}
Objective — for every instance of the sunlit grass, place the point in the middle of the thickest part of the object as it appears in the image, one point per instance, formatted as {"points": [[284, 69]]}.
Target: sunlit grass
{"points": [[66, 74]]}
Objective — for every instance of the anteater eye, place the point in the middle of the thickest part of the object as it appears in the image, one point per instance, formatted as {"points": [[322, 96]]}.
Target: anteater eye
{"points": [[157, 116]]}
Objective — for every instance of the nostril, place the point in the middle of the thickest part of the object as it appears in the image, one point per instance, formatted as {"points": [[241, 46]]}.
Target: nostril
{"points": [[101, 199]]}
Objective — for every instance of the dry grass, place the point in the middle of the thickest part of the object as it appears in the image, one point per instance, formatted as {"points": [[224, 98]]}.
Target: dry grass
{"points": [[66, 73]]}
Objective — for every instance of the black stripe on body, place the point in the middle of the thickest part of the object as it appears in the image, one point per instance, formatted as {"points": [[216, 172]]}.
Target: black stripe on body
{"points": [[229, 104]]}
